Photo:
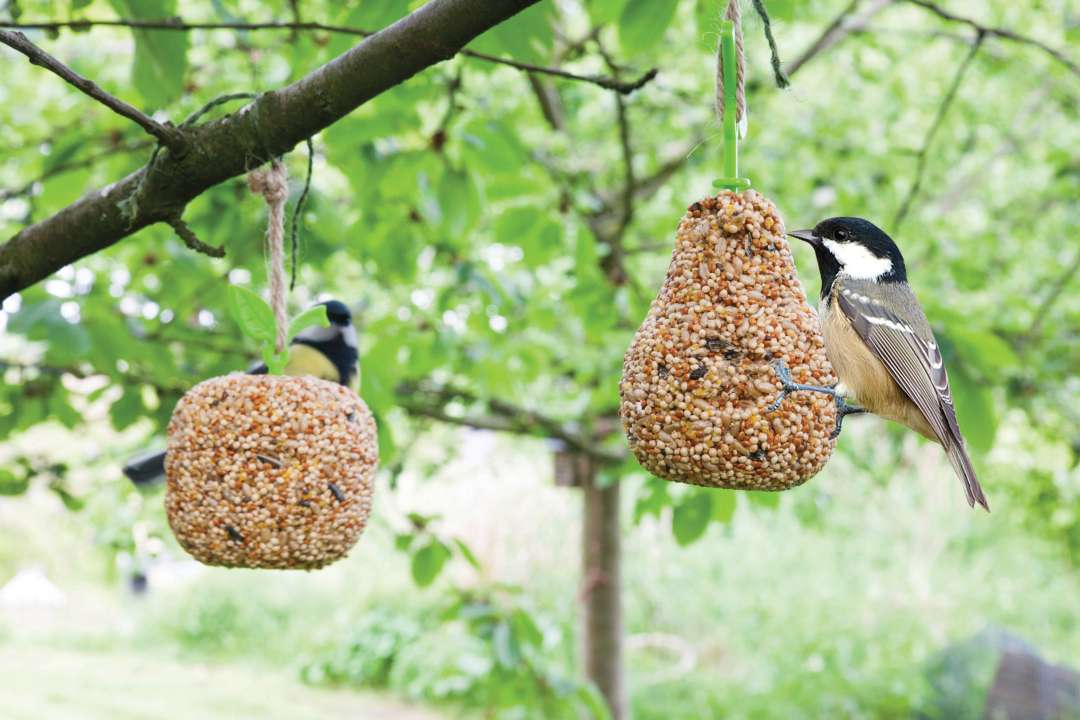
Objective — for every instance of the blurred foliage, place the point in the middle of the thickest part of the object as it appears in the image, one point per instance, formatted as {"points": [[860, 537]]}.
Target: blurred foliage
{"points": [[484, 649], [470, 229]]}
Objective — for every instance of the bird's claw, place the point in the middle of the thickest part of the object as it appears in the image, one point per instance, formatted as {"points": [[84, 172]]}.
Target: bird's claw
{"points": [[788, 385], [843, 409]]}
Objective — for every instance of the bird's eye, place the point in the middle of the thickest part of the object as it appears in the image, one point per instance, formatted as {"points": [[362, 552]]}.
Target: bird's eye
{"points": [[841, 234]]}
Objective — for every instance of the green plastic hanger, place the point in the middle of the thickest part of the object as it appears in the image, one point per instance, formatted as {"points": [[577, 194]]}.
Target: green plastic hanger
{"points": [[731, 179]]}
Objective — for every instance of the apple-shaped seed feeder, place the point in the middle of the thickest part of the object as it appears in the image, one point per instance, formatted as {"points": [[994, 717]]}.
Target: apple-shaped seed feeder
{"points": [[266, 470]]}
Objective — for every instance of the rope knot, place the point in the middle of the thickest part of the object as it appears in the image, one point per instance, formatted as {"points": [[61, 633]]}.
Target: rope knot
{"points": [[272, 183]]}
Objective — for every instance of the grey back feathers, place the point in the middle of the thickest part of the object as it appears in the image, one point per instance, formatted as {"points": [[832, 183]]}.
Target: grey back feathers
{"points": [[889, 319]]}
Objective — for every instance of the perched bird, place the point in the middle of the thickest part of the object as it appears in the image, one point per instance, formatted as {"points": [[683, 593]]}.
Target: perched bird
{"points": [[329, 353], [879, 342]]}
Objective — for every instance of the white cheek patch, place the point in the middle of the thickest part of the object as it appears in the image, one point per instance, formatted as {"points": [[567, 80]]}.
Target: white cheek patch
{"points": [[348, 333], [316, 333], [858, 262]]}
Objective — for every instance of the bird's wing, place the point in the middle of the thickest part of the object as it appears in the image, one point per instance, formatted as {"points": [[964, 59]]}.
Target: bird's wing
{"points": [[907, 350], [905, 344]]}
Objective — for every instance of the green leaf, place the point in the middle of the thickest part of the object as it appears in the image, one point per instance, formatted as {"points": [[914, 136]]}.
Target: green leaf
{"points": [[127, 408], [459, 204], [160, 55], [764, 498], [974, 409], [61, 410], [651, 499], [505, 646], [467, 553], [643, 23], [252, 314], [428, 562], [984, 351], [71, 502], [691, 516], [593, 702], [604, 11], [526, 37], [723, 505], [275, 361], [403, 541], [312, 316], [11, 484]]}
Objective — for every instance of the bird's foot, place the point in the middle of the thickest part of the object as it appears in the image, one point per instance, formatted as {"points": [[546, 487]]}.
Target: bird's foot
{"points": [[843, 409], [788, 386]]}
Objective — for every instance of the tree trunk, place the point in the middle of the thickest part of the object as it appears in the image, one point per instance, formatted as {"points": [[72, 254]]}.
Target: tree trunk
{"points": [[601, 592]]}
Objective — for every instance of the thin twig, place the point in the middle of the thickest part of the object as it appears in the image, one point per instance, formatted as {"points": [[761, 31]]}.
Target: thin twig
{"points": [[191, 240], [608, 83], [61, 168], [612, 263], [177, 24], [942, 110], [429, 400], [169, 136], [840, 27], [1003, 33], [220, 100], [1056, 291]]}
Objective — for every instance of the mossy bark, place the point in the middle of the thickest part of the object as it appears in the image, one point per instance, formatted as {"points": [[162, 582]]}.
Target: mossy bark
{"points": [[271, 125]]}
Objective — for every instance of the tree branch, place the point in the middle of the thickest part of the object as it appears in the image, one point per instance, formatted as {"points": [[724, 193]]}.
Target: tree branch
{"points": [[181, 25], [943, 109], [169, 136], [185, 233], [1051, 297], [840, 27], [430, 400], [61, 168], [998, 32], [271, 125], [612, 83]]}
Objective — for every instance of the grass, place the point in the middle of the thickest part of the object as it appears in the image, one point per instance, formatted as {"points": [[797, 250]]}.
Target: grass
{"points": [[832, 605], [66, 684]]}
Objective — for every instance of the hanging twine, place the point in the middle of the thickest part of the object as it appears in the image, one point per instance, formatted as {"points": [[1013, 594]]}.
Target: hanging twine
{"points": [[272, 184], [734, 14]]}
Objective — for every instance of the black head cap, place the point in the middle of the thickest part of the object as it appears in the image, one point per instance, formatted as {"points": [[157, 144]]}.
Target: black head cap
{"points": [[856, 247], [862, 232], [337, 312]]}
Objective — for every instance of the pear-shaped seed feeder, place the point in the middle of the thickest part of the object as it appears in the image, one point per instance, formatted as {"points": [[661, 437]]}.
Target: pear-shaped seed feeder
{"points": [[698, 381]]}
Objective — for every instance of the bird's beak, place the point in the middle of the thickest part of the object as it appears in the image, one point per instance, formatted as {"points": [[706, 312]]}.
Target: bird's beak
{"points": [[806, 236]]}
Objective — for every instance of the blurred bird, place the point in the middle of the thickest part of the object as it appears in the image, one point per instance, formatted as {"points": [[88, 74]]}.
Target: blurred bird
{"points": [[330, 353], [879, 342]]}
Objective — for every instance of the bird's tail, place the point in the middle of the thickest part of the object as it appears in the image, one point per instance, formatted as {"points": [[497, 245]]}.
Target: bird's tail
{"points": [[961, 463], [146, 469]]}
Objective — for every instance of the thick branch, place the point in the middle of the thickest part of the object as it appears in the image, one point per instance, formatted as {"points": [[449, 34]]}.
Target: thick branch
{"points": [[269, 126], [179, 24], [1003, 33], [169, 136]]}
